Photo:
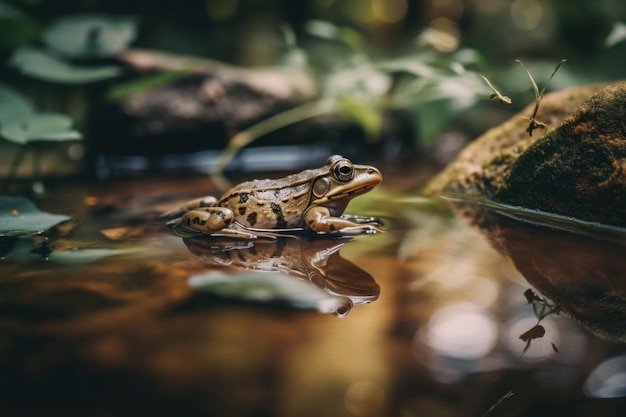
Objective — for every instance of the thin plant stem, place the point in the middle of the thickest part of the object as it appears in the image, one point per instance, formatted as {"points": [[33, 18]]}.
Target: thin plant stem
{"points": [[36, 163], [244, 138]]}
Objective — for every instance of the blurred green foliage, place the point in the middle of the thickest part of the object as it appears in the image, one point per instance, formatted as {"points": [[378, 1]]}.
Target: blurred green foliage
{"points": [[370, 57]]}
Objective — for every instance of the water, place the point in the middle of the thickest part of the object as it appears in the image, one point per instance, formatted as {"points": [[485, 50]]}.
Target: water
{"points": [[125, 318]]}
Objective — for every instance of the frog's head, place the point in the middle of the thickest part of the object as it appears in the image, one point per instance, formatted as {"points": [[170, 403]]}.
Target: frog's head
{"points": [[341, 181]]}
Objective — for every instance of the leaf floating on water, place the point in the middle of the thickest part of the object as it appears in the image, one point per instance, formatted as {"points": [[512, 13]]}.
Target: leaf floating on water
{"points": [[84, 256], [29, 219]]}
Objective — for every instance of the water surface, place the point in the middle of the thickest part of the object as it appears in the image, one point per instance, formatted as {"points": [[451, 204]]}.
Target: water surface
{"points": [[424, 320]]}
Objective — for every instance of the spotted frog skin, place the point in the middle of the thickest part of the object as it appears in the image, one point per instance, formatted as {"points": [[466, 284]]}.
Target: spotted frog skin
{"points": [[313, 200]]}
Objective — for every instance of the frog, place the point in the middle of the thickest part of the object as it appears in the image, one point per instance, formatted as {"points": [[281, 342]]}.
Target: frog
{"points": [[312, 200]]}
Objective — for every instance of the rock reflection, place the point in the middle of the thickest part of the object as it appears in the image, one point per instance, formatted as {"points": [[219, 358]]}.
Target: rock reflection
{"points": [[580, 266], [316, 261]]}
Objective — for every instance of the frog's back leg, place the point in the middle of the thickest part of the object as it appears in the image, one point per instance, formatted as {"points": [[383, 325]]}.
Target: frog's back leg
{"points": [[215, 221], [197, 203]]}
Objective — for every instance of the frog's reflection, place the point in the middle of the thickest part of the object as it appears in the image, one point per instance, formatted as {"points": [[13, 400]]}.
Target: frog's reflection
{"points": [[312, 259], [580, 266]]}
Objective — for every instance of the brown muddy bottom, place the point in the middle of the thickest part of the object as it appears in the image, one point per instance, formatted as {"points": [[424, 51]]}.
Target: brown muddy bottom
{"points": [[124, 318]]}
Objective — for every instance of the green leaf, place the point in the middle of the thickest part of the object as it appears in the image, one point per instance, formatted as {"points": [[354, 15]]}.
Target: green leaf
{"points": [[16, 27], [617, 35], [532, 80], [496, 94], [554, 71], [410, 65], [50, 127], [39, 64], [145, 83], [13, 106], [20, 217], [365, 115], [91, 36]]}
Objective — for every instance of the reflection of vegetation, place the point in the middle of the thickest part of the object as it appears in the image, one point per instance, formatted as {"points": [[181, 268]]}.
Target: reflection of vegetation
{"points": [[541, 308], [261, 287]]}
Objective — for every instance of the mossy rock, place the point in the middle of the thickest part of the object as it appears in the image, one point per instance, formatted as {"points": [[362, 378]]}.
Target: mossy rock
{"points": [[577, 168]]}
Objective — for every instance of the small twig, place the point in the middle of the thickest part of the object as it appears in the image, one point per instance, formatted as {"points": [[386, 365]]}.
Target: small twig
{"points": [[493, 407]]}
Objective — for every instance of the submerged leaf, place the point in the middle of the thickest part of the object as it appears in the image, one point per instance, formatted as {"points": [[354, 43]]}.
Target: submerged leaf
{"points": [[20, 217], [261, 287]]}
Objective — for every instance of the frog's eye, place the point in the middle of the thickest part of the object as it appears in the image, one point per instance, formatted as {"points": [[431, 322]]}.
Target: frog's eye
{"points": [[343, 170]]}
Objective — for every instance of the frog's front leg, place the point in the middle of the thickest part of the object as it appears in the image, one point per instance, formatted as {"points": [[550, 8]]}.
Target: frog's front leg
{"points": [[216, 221], [319, 219]]}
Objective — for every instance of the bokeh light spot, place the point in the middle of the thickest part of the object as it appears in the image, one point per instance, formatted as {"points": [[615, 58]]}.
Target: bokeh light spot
{"points": [[526, 14], [462, 331], [389, 11]]}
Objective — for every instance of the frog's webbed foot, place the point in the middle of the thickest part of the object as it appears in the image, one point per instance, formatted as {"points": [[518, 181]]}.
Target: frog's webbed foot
{"points": [[319, 220], [363, 219], [194, 204], [358, 229]]}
